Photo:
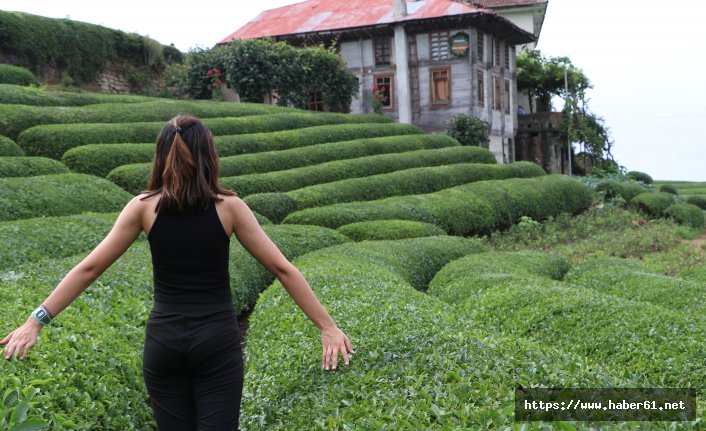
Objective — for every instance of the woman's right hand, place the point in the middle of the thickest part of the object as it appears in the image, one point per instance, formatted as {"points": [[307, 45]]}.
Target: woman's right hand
{"points": [[333, 342], [21, 339]]}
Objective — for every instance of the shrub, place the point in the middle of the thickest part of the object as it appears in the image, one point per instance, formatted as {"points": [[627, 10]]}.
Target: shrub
{"points": [[604, 328], [624, 189], [475, 208], [630, 279], [10, 74], [653, 203], [291, 179], [100, 159], [640, 177], [467, 130], [666, 188], [389, 229], [18, 166], [406, 341], [57, 195], [17, 118], [54, 139], [686, 214], [407, 181], [15, 94], [699, 201], [134, 177], [8, 147]]}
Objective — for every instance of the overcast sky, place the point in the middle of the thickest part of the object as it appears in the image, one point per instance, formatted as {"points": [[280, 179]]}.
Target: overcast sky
{"points": [[645, 60]]}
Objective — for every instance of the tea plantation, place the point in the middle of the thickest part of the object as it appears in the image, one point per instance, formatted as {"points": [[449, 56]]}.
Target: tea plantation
{"points": [[457, 279]]}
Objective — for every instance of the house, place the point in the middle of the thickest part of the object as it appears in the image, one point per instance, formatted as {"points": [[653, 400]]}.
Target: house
{"points": [[432, 59]]}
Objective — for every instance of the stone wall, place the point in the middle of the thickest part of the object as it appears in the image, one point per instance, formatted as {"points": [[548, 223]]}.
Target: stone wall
{"points": [[538, 140]]}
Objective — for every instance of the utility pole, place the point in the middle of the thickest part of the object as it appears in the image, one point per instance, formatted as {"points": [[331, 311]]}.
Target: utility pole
{"points": [[568, 137]]}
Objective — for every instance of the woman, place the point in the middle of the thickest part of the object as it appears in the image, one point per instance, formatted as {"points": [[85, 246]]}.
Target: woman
{"points": [[192, 358]]}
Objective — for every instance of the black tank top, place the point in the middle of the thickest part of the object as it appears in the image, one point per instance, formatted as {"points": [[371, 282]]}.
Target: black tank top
{"points": [[190, 253]]}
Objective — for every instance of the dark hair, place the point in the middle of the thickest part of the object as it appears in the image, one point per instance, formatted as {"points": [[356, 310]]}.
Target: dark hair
{"points": [[185, 167]]}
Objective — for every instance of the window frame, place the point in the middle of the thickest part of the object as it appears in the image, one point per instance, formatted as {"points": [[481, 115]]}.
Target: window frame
{"points": [[443, 41], [317, 102], [389, 51], [497, 94], [508, 97], [480, 45], [432, 103], [496, 52], [391, 99], [480, 92]]}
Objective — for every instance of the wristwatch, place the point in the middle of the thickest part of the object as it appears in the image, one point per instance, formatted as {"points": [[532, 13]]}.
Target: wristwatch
{"points": [[42, 315]]}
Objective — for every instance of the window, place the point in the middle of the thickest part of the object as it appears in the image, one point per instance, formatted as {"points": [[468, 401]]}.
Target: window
{"points": [[496, 93], [481, 88], [481, 46], [507, 96], [441, 86], [439, 45], [383, 50], [496, 50], [384, 84], [315, 103], [507, 56]]}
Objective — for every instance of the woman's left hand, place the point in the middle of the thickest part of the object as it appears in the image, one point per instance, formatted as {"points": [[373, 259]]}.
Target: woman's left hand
{"points": [[334, 341], [21, 339]]}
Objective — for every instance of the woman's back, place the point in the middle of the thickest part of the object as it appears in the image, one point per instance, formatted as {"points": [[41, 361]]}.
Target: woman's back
{"points": [[190, 253]]}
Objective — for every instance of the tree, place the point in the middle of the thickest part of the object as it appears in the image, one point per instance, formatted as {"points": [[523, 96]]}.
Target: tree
{"points": [[542, 78], [256, 67]]}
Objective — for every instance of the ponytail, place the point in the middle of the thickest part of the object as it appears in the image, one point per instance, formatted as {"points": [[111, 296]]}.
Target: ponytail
{"points": [[185, 167]]}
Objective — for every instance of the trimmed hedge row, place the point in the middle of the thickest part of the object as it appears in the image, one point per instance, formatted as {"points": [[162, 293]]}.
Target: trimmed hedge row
{"points": [[418, 364], [87, 364], [54, 140], [630, 279], [649, 344], [31, 240], [686, 214], [388, 229], [699, 201], [653, 203], [624, 189], [19, 95], [640, 176], [134, 177], [335, 170], [469, 209], [100, 159], [42, 238], [16, 118], [57, 195], [15, 75], [8, 147], [18, 166], [406, 181]]}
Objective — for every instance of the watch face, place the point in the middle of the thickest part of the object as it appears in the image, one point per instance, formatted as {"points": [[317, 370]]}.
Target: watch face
{"points": [[41, 313]]}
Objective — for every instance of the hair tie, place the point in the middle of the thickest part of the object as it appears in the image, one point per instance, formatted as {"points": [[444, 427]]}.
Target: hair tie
{"points": [[180, 129]]}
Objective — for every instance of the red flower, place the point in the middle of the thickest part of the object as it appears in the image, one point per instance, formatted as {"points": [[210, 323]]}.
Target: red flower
{"points": [[375, 88]]}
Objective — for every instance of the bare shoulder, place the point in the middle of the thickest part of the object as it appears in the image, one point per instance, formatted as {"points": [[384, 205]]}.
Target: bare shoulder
{"points": [[234, 203]]}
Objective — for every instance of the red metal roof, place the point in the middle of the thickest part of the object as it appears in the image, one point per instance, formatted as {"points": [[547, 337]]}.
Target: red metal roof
{"points": [[324, 15], [501, 4]]}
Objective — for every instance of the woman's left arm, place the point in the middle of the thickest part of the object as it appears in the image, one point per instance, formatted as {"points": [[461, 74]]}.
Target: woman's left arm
{"points": [[126, 229]]}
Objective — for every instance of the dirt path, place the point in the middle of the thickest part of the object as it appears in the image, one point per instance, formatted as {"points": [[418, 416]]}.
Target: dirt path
{"points": [[698, 242]]}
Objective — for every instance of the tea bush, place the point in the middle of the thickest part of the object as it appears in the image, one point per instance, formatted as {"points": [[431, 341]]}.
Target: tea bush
{"points": [[18, 166], [54, 140], [100, 159], [388, 229], [406, 181], [57, 195], [469, 209]]}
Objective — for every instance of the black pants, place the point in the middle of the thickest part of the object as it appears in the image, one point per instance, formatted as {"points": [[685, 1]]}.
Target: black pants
{"points": [[193, 367]]}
